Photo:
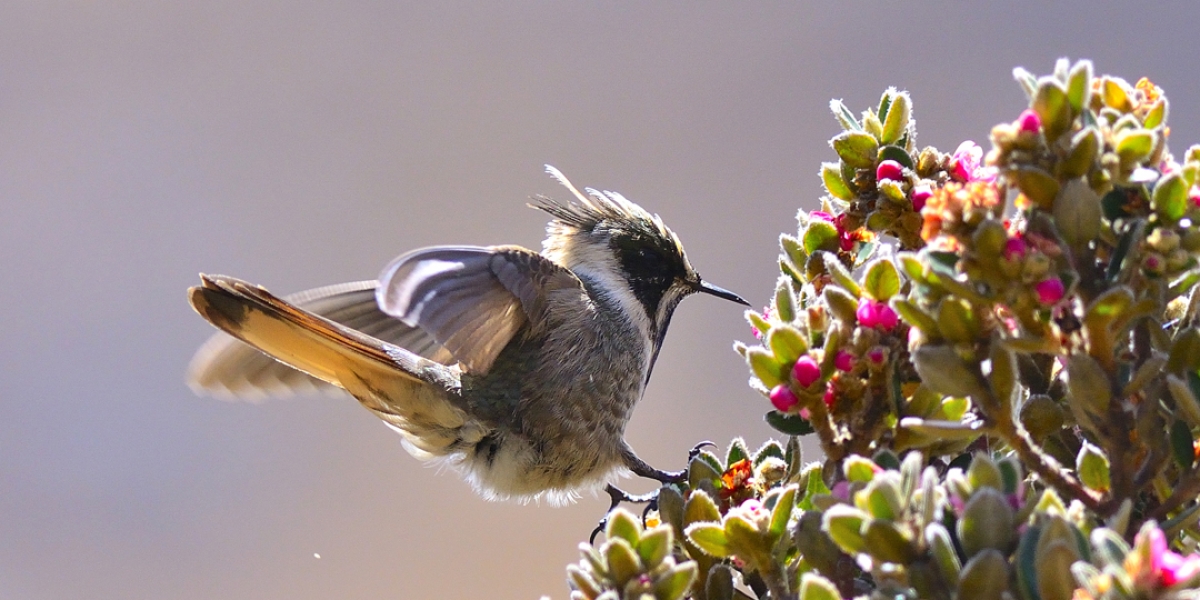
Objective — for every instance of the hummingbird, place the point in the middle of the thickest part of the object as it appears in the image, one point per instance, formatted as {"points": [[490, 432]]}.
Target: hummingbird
{"points": [[518, 369]]}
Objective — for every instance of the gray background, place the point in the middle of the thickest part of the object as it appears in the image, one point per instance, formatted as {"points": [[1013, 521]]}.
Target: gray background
{"points": [[296, 145]]}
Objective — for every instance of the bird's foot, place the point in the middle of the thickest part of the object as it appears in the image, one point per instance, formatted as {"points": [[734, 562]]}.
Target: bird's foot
{"points": [[618, 495], [641, 469]]}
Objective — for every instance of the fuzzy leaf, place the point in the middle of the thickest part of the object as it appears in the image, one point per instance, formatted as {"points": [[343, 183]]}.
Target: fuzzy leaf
{"points": [[987, 523], [1077, 213], [856, 148], [653, 547], [788, 424], [1093, 469], [831, 176], [622, 524], [1185, 352], [985, 577], [816, 587], [700, 508], [1050, 103], [819, 235], [898, 115], [623, 562], [1182, 444], [1079, 85], [885, 542], [1134, 145], [1085, 145], [944, 371], [841, 276], [786, 343], [1087, 384], [675, 585], [709, 537], [1037, 185], [844, 116], [882, 280], [1054, 578], [1170, 198], [782, 511], [844, 525]]}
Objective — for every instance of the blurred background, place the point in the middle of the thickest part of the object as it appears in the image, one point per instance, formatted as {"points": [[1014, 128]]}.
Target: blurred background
{"points": [[301, 144]]}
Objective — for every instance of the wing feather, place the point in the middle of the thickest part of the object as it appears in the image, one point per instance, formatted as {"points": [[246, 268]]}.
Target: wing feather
{"points": [[471, 299]]}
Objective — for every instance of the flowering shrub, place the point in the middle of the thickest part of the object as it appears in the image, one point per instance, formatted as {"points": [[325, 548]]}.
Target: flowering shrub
{"points": [[999, 356]]}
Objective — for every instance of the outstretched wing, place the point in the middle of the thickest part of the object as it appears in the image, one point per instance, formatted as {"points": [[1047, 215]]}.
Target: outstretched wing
{"points": [[227, 367], [471, 299]]}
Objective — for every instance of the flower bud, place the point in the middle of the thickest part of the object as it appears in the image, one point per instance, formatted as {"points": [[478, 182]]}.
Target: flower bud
{"points": [[1015, 249], [889, 170], [920, 195], [782, 398], [1029, 122], [844, 361], [806, 371], [1049, 291]]}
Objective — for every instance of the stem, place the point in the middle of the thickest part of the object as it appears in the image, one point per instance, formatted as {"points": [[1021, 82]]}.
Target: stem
{"points": [[1187, 490], [1047, 467], [776, 583]]}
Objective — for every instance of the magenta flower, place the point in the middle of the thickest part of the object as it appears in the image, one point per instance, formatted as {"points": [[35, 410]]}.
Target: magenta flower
{"points": [[830, 397], [1029, 122], [766, 315], [889, 170], [1015, 249], [876, 315], [877, 355], [1170, 567], [782, 398], [844, 361], [966, 164], [1049, 291], [1194, 196], [821, 215], [920, 195], [806, 371]]}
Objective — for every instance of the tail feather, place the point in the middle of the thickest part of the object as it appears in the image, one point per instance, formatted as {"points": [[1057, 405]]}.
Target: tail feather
{"points": [[412, 394]]}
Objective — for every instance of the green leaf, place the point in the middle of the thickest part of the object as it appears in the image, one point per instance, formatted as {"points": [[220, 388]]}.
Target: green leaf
{"points": [[765, 367], [840, 275], [895, 125], [700, 508], [1170, 198], [654, 546], [897, 154], [1077, 213], [944, 371], [1093, 468], [1115, 96], [916, 317], [985, 577], [788, 424], [737, 451], [622, 524], [1183, 444], [882, 280], [843, 115], [987, 523], [844, 525], [1134, 145], [816, 587], [1055, 581], [819, 235], [1085, 145], [1187, 397], [786, 343], [885, 542], [675, 585], [831, 176], [956, 320], [1157, 115], [709, 537], [1087, 384], [1050, 103], [1037, 185], [856, 148], [1079, 85], [785, 301], [937, 538], [859, 468], [1185, 352], [623, 562], [782, 511], [1029, 83]]}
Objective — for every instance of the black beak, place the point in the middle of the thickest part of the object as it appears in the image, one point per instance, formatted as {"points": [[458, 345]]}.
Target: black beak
{"points": [[708, 288]]}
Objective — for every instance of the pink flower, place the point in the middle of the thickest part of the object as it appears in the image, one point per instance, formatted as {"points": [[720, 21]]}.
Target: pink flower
{"points": [[1170, 567], [876, 315], [1029, 122], [830, 397], [783, 399], [1194, 196], [920, 195], [821, 215], [1049, 291], [889, 170], [806, 371], [877, 355], [844, 361], [966, 164], [1015, 249]]}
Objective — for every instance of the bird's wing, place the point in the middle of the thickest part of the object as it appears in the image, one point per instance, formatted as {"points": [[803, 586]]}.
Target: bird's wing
{"points": [[472, 299], [227, 367]]}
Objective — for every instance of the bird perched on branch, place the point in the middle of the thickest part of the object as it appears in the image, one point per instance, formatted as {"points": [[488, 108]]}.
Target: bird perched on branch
{"points": [[518, 369]]}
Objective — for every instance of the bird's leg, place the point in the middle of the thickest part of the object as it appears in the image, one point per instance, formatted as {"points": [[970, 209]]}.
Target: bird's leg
{"points": [[642, 469]]}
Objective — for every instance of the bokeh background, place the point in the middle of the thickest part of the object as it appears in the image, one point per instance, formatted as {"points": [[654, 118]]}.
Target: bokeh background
{"points": [[300, 144]]}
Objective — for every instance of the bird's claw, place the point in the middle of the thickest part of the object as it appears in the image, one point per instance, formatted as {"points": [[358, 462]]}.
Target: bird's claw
{"points": [[618, 495]]}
